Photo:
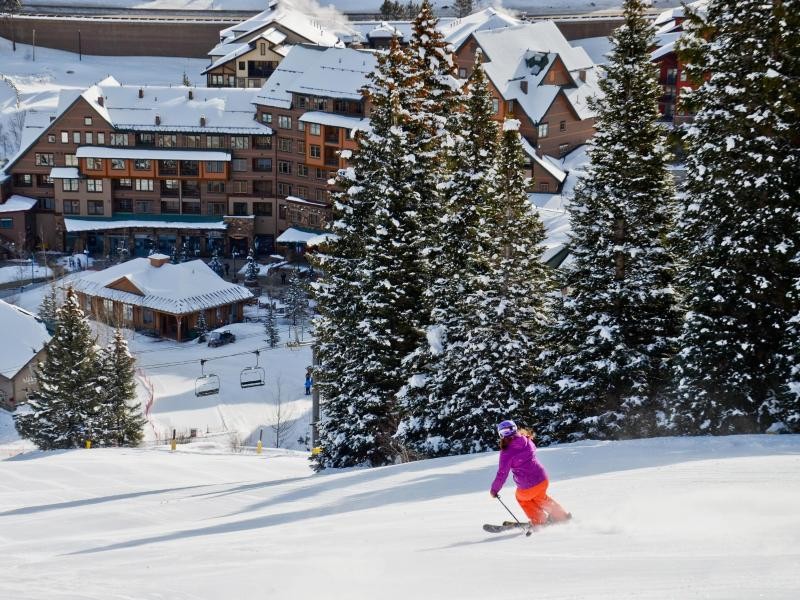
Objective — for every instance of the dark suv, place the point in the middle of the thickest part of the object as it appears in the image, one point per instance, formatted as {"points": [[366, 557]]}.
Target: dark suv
{"points": [[220, 338]]}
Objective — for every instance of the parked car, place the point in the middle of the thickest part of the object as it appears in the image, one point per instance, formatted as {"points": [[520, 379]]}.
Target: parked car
{"points": [[220, 338]]}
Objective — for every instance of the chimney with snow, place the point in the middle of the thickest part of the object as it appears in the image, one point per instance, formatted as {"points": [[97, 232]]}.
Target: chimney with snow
{"points": [[156, 260], [523, 85], [158, 120], [141, 93], [582, 74], [202, 120], [100, 100], [191, 95]]}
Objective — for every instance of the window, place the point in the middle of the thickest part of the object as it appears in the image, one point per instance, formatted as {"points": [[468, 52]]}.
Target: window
{"points": [[119, 139], [282, 212], [123, 184], [240, 142], [89, 137], [544, 186], [147, 316], [127, 312], [216, 208], [46, 204], [562, 126], [683, 75], [145, 139], [217, 80], [71, 207], [284, 167], [284, 189], [240, 209], [302, 170], [542, 130], [302, 101], [510, 107], [266, 118], [563, 149], [316, 103], [262, 209], [462, 73], [321, 174], [314, 128], [51, 138], [143, 206], [262, 142], [65, 137], [167, 167], [285, 144], [263, 49], [262, 164], [193, 141], [69, 185], [118, 164], [142, 164], [302, 191], [239, 164], [94, 164], [101, 138], [76, 137], [495, 106], [6, 223], [215, 166], [94, 185], [242, 65], [71, 160], [23, 179], [95, 207], [166, 140], [124, 205], [215, 141], [44, 160], [301, 126], [87, 120], [314, 151], [320, 195], [313, 219], [216, 187], [301, 147], [44, 181], [143, 185], [284, 122], [239, 187]]}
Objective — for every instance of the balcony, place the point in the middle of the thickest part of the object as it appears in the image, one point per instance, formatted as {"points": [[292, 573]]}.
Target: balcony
{"points": [[167, 167], [170, 207], [170, 190], [190, 168], [331, 135], [191, 208]]}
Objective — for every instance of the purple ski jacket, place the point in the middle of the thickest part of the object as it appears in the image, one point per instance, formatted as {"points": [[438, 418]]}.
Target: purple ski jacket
{"points": [[519, 458]]}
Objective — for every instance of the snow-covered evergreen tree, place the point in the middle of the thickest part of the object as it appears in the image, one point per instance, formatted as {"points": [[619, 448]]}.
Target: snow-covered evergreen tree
{"points": [[63, 410], [251, 272], [49, 307], [271, 326], [606, 368], [296, 300], [119, 417], [202, 325], [740, 220], [215, 264]]}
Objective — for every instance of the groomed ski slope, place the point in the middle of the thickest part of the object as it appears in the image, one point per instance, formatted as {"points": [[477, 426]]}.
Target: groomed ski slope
{"points": [[664, 518]]}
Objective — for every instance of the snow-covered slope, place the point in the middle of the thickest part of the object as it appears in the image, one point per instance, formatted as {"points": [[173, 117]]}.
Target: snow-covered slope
{"points": [[665, 518]]}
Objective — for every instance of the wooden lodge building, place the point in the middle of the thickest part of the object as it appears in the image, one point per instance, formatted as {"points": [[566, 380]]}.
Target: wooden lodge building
{"points": [[153, 294], [24, 344]]}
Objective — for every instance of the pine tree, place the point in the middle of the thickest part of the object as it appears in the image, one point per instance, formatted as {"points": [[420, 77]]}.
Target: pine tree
{"points": [[202, 325], [63, 410], [613, 332], [271, 326], [296, 300], [120, 416], [463, 8], [49, 307], [739, 222], [251, 272], [215, 264]]}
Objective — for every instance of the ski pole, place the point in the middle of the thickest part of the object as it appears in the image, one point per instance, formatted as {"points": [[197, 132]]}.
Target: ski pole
{"points": [[527, 530]]}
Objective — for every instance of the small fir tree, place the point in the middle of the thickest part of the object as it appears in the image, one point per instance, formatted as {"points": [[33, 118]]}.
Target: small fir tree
{"points": [[740, 221], [202, 325], [606, 370], [49, 307], [120, 415], [251, 272], [296, 300], [271, 326], [215, 264], [64, 408]]}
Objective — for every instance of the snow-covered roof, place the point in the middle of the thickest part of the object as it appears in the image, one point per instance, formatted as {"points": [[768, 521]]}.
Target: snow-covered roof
{"points": [[557, 229], [457, 31], [225, 110], [662, 51], [176, 289], [17, 203], [234, 51], [312, 70], [547, 165], [75, 224], [334, 120], [36, 121], [64, 173], [678, 12], [378, 30], [296, 235], [313, 30], [150, 153], [24, 335], [523, 54]]}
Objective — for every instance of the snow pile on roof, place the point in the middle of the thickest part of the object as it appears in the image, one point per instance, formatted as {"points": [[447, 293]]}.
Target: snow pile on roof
{"points": [[547, 163], [24, 335], [76, 224], [329, 72], [161, 108], [150, 153], [296, 235], [17, 203], [335, 120], [519, 57], [678, 12], [176, 289], [457, 31]]}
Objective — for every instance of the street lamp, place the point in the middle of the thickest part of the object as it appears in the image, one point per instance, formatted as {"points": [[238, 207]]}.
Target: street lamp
{"points": [[235, 253], [33, 262]]}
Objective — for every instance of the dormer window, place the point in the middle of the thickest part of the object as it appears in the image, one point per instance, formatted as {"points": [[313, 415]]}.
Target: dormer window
{"points": [[87, 120]]}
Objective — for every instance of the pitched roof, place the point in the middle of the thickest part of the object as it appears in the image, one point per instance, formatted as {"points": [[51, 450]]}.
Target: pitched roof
{"points": [[24, 335], [315, 31], [176, 289], [17, 203], [273, 36], [457, 31]]}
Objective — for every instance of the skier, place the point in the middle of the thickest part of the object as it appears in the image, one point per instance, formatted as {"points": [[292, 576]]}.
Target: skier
{"points": [[518, 455], [309, 383]]}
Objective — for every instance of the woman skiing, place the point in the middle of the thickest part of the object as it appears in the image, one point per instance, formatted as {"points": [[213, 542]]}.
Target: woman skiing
{"points": [[518, 455]]}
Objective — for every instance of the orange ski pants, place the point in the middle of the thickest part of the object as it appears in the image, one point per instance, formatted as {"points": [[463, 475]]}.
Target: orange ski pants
{"points": [[538, 505]]}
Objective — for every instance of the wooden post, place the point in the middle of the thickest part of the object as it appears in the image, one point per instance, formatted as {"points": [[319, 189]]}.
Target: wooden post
{"points": [[259, 445], [174, 442]]}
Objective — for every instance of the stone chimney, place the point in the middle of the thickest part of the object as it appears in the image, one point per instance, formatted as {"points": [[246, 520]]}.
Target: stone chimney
{"points": [[141, 93], [156, 260]]}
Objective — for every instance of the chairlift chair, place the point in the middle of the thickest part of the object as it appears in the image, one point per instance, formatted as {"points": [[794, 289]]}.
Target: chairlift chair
{"points": [[206, 385], [252, 376]]}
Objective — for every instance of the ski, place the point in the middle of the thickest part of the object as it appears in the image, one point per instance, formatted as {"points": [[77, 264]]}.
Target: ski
{"points": [[507, 526]]}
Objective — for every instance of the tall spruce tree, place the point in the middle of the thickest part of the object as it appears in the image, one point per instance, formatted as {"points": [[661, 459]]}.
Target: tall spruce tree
{"points": [[357, 424], [740, 220], [63, 410], [271, 326], [49, 307], [120, 419], [606, 369]]}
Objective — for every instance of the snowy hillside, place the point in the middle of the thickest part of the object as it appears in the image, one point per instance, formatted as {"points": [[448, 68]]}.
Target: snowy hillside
{"points": [[666, 518]]}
